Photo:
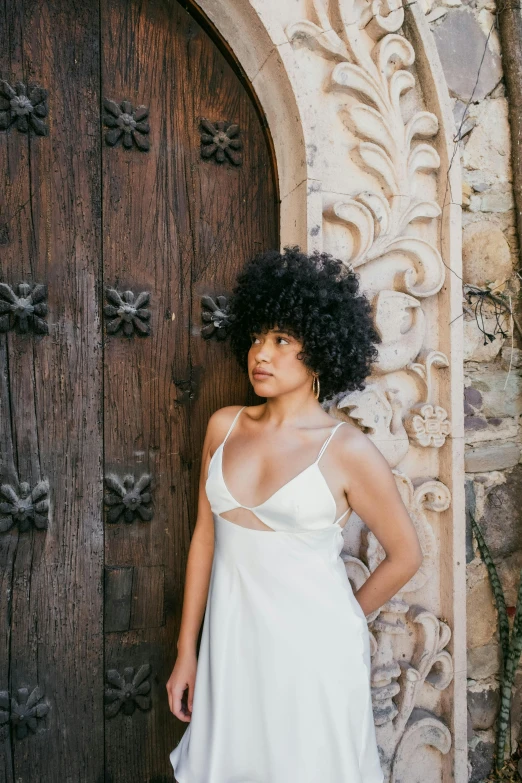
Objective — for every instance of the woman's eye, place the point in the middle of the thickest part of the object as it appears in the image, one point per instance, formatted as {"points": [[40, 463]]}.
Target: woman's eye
{"points": [[287, 341]]}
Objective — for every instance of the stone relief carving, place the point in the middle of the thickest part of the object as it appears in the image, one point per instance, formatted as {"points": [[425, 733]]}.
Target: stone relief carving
{"points": [[378, 413], [387, 226], [401, 341], [402, 726], [378, 220], [427, 423]]}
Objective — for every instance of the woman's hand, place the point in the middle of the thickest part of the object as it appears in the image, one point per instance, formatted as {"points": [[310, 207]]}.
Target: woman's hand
{"points": [[183, 676]]}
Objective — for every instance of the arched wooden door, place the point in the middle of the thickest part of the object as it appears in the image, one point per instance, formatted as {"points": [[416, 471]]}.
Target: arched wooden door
{"points": [[136, 179]]}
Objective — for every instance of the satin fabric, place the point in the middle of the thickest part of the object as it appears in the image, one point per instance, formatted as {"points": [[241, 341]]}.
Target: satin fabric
{"points": [[282, 691]]}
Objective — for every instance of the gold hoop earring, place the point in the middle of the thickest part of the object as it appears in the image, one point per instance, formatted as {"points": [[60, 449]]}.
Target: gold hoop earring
{"points": [[316, 386]]}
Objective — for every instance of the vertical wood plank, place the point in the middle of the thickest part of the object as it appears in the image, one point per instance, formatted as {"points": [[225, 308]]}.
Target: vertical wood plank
{"points": [[51, 393], [177, 226]]}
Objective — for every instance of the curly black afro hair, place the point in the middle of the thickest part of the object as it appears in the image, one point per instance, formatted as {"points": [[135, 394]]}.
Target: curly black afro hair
{"points": [[316, 298]]}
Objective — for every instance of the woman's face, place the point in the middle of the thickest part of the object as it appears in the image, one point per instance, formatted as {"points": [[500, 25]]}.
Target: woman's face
{"points": [[273, 364]]}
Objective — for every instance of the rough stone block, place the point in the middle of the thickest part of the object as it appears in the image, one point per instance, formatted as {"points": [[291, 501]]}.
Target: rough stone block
{"points": [[486, 256], [481, 760], [475, 350], [501, 394], [509, 572], [470, 510], [511, 357], [461, 44], [487, 151], [495, 429], [469, 727], [484, 661], [483, 707], [494, 456], [473, 397], [501, 522], [481, 614], [496, 201]]}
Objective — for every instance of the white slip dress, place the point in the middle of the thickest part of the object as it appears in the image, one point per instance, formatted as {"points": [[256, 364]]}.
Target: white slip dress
{"points": [[282, 691]]}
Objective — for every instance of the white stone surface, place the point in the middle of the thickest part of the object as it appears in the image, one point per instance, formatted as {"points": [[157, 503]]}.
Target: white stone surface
{"points": [[488, 147], [475, 349], [486, 257]]}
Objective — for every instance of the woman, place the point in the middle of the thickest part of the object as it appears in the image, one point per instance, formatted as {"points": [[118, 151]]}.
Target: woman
{"points": [[281, 690]]}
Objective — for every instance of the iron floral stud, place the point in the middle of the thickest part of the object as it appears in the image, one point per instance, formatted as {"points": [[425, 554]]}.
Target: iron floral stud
{"points": [[127, 312], [30, 506], [23, 107], [220, 139], [127, 691], [125, 121], [25, 309], [216, 317], [129, 499], [27, 710]]}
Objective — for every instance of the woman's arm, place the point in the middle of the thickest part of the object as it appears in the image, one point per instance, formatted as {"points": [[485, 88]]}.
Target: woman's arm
{"points": [[372, 493], [197, 577]]}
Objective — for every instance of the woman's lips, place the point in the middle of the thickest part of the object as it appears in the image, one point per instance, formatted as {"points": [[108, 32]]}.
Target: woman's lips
{"points": [[261, 374]]}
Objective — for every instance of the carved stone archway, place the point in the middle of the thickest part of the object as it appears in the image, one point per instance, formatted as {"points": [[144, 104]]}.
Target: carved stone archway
{"points": [[359, 115]]}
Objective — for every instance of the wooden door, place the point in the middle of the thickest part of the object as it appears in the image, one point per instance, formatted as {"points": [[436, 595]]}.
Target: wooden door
{"points": [[121, 222]]}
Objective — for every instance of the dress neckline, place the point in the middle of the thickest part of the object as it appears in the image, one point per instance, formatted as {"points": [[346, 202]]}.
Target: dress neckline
{"points": [[287, 483]]}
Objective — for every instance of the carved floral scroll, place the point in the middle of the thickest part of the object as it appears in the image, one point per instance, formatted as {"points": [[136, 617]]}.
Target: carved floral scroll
{"points": [[387, 224]]}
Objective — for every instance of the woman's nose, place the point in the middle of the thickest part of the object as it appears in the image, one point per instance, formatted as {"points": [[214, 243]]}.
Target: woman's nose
{"points": [[263, 353]]}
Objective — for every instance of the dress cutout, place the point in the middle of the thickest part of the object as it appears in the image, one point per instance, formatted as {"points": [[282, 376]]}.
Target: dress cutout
{"points": [[282, 691]]}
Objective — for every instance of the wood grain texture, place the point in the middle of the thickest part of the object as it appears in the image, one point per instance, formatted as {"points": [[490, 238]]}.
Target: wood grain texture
{"points": [[51, 394], [178, 226], [86, 596]]}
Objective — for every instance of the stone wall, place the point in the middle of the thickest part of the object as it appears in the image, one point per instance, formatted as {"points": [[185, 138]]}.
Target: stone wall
{"points": [[467, 41]]}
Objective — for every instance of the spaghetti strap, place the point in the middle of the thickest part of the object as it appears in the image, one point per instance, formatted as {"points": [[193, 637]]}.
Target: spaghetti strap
{"points": [[328, 439], [233, 422], [342, 515]]}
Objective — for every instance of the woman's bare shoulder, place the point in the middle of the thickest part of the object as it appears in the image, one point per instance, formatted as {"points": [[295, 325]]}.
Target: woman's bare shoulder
{"points": [[355, 446], [222, 418]]}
